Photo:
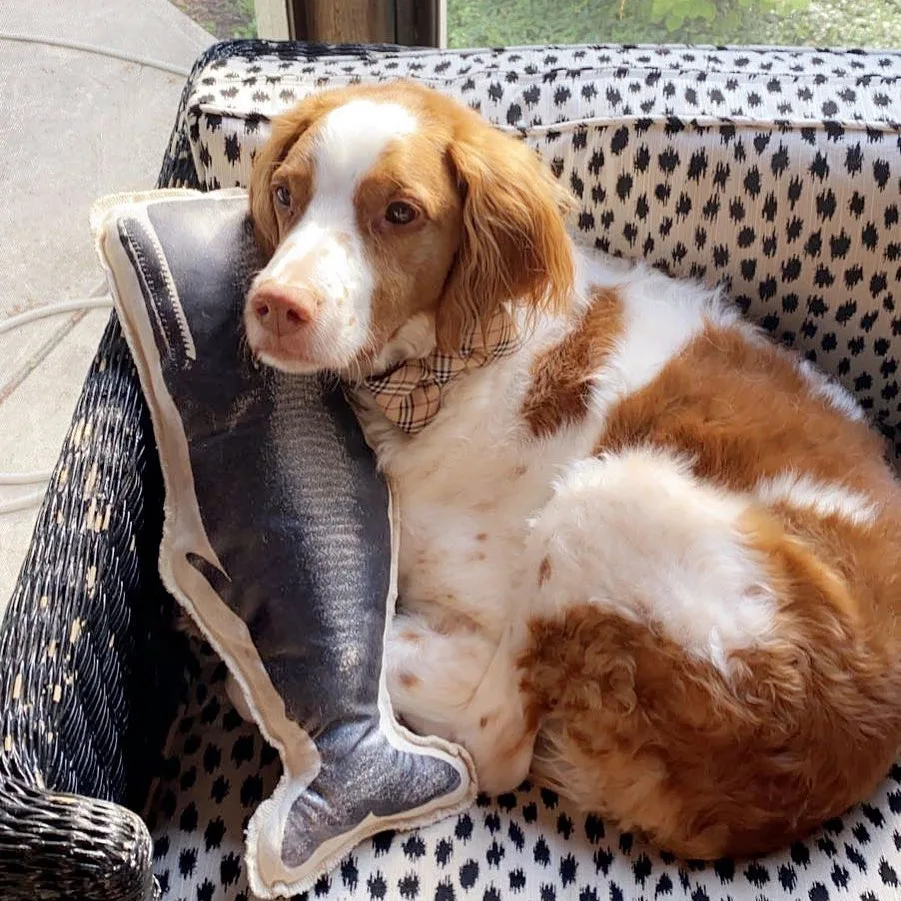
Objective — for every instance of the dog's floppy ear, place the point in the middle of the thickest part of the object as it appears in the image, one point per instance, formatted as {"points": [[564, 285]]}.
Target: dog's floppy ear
{"points": [[514, 245], [286, 129]]}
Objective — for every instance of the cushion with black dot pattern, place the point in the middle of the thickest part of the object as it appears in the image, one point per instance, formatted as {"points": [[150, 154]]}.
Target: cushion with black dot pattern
{"points": [[523, 845]]}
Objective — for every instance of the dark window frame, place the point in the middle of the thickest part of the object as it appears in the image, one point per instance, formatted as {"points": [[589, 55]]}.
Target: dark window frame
{"points": [[412, 23]]}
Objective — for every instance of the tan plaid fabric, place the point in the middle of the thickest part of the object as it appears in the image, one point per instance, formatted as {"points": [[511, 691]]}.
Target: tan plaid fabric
{"points": [[410, 394]]}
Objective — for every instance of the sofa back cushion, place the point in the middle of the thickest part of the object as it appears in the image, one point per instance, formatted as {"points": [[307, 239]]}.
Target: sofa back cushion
{"points": [[775, 173]]}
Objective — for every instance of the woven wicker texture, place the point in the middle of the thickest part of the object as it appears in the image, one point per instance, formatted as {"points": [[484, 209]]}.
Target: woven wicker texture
{"points": [[79, 715]]}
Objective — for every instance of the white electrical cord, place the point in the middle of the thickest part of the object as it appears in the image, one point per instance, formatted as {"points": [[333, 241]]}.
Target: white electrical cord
{"points": [[97, 50], [96, 301], [53, 309], [25, 502], [25, 478], [67, 306]]}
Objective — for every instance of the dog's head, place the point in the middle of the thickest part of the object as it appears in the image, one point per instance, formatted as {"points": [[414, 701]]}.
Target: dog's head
{"points": [[394, 219]]}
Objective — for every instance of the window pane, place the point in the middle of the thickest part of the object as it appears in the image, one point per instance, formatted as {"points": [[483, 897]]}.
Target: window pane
{"points": [[222, 18], [820, 23]]}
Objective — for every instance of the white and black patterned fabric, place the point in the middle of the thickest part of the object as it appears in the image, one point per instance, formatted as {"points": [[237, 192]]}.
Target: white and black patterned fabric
{"points": [[778, 172], [775, 172], [524, 846]]}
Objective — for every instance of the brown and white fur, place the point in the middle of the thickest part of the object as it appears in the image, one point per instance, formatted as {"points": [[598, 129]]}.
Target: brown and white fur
{"points": [[650, 557]]}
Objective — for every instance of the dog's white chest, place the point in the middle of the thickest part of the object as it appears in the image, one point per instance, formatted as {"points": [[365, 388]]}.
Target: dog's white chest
{"points": [[467, 488]]}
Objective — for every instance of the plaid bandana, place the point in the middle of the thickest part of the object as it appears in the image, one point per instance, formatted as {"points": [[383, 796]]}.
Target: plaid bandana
{"points": [[410, 393]]}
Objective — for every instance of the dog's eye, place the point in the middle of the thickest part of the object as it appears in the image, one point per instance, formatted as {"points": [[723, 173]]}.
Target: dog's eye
{"points": [[400, 213], [283, 195]]}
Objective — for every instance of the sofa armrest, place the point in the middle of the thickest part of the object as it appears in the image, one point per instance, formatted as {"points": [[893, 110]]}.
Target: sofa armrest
{"points": [[90, 668], [56, 845]]}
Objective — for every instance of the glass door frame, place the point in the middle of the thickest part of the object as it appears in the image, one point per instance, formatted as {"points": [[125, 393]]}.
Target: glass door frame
{"points": [[412, 23]]}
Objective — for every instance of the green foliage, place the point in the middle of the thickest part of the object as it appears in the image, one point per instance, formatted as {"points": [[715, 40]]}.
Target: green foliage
{"points": [[479, 23], [677, 15], [249, 29]]}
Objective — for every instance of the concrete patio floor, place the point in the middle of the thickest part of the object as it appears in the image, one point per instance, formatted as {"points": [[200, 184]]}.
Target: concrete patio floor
{"points": [[76, 126]]}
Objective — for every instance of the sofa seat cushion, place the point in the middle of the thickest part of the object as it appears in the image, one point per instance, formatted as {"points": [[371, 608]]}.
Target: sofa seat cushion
{"points": [[528, 845]]}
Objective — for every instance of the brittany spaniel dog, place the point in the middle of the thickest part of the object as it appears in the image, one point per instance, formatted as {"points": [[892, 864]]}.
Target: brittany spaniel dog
{"points": [[645, 555]]}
